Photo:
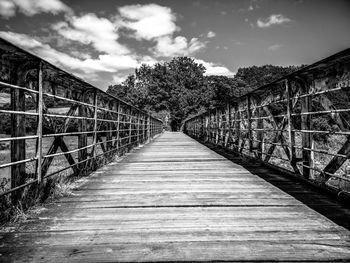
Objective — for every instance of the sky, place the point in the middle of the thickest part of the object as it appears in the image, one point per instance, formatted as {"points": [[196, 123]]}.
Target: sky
{"points": [[102, 41]]}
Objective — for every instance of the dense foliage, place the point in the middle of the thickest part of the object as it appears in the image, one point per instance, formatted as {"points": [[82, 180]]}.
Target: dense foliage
{"points": [[254, 77], [179, 88]]}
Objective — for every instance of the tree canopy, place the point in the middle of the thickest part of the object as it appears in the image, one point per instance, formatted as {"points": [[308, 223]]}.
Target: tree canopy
{"points": [[179, 88]]}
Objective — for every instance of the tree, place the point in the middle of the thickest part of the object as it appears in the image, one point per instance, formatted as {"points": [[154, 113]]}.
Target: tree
{"points": [[178, 88], [220, 90], [254, 77]]}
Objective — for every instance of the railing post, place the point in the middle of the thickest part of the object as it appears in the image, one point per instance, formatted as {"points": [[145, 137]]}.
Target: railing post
{"points": [[94, 153], [221, 127], [39, 148], [312, 158], [148, 128], [151, 130], [228, 125], [260, 133], [18, 147], [216, 126], [306, 125], [291, 133], [202, 127], [117, 144], [143, 126], [237, 127], [138, 127], [82, 138], [249, 123], [109, 136], [130, 127]]}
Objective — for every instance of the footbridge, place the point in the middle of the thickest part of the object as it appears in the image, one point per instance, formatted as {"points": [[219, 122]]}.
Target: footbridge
{"points": [[262, 179]]}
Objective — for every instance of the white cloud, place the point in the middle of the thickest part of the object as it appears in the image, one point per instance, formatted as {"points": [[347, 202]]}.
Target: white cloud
{"points": [[118, 79], [7, 8], [214, 68], [103, 63], [211, 34], [157, 23], [148, 21], [272, 20], [179, 46], [147, 60], [90, 29], [274, 47], [32, 7], [21, 39]]}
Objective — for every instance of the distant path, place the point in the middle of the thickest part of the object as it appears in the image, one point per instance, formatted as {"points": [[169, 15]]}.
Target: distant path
{"points": [[176, 200]]}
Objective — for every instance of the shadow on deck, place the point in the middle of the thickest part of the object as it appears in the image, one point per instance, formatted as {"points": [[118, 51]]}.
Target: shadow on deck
{"points": [[326, 203]]}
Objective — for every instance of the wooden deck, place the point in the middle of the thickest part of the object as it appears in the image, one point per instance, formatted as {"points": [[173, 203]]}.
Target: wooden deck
{"points": [[176, 200]]}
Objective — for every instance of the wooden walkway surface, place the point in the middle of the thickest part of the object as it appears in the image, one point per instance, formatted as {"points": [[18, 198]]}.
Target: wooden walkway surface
{"points": [[176, 200]]}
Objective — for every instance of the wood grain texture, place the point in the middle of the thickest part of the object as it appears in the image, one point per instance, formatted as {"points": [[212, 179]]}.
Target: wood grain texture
{"points": [[176, 200]]}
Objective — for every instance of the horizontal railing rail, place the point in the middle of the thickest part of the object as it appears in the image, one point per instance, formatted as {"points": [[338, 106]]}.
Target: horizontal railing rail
{"points": [[299, 123], [53, 123]]}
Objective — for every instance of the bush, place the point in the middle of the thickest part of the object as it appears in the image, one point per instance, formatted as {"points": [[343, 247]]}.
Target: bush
{"points": [[323, 123]]}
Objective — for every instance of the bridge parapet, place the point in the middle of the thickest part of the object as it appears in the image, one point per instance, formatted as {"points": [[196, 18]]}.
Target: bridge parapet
{"points": [[298, 124], [54, 123]]}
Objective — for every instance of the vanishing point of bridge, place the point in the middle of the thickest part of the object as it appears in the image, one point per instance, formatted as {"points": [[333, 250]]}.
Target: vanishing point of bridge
{"points": [[171, 198]]}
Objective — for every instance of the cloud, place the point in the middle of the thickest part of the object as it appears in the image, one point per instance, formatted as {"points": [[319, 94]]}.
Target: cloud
{"points": [[179, 46], [148, 21], [118, 79], [103, 63], [32, 7], [147, 60], [7, 8], [156, 23], [274, 47], [272, 20], [90, 44], [211, 34], [215, 69], [89, 29]]}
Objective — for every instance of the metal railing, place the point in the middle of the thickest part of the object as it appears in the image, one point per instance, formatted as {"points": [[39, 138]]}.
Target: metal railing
{"points": [[53, 123], [299, 123]]}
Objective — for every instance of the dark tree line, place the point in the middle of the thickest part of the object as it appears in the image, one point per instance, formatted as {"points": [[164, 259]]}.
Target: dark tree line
{"points": [[179, 88]]}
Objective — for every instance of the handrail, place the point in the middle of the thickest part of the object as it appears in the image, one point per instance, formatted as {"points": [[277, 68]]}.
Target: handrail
{"points": [[60, 123], [279, 123]]}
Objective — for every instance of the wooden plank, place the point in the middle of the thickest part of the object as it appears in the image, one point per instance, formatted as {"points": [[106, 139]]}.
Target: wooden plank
{"points": [[176, 200], [147, 251]]}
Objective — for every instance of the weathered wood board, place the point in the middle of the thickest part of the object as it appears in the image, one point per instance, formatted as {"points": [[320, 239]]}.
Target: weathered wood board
{"points": [[176, 200]]}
